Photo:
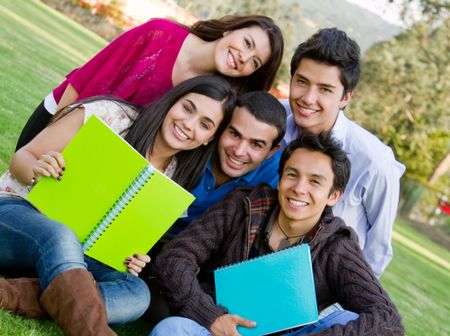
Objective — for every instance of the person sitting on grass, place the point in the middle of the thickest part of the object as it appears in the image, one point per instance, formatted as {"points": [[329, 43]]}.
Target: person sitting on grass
{"points": [[246, 155], [251, 222], [172, 134]]}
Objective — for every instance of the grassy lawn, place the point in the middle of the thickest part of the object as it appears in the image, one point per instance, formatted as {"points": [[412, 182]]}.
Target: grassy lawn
{"points": [[40, 45], [418, 282]]}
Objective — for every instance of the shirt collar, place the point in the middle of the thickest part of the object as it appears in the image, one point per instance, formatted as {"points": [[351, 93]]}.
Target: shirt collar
{"points": [[339, 129]]}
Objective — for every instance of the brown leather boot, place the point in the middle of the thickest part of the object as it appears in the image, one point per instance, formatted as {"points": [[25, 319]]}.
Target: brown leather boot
{"points": [[72, 300], [21, 296]]}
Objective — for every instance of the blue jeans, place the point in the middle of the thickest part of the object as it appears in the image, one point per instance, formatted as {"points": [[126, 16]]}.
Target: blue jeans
{"points": [[32, 242], [178, 326]]}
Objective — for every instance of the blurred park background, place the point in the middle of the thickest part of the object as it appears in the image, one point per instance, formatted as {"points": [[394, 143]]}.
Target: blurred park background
{"points": [[403, 98]]}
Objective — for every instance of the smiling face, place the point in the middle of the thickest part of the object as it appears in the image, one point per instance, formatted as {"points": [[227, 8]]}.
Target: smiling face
{"points": [[190, 122], [244, 145], [304, 189], [242, 51], [316, 95]]}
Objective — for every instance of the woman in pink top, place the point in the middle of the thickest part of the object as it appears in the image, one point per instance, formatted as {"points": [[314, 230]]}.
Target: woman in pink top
{"points": [[147, 61]]}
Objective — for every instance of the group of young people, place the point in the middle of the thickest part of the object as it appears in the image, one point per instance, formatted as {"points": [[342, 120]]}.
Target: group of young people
{"points": [[193, 102]]}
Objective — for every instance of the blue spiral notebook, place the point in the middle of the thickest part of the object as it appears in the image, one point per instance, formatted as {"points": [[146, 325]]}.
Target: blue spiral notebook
{"points": [[110, 196], [276, 290]]}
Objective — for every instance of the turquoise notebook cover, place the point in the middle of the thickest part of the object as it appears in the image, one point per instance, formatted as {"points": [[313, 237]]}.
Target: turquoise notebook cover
{"points": [[276, 290]]}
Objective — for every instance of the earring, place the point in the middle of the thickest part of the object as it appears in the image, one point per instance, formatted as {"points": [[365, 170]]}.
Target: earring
{"points": [[205, 144]]}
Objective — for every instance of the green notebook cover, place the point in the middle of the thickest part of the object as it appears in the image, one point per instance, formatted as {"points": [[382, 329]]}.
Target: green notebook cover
{"points": [[275, 290], [110, 196]]}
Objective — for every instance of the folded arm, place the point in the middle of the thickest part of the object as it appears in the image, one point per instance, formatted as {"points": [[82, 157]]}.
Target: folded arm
{"points": [[358, 290]]}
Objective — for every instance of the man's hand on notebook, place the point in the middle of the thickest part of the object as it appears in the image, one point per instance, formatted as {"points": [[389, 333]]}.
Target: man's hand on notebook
{"points": [[226, 325], [136, 263]]}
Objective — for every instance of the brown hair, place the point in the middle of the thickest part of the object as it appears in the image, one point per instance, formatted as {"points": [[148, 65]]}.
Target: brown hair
{"points": [[261, 79]]}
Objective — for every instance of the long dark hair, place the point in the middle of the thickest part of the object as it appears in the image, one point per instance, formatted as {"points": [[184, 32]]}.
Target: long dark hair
{"points": [[261, 79], [142, 133], [190, 163]]}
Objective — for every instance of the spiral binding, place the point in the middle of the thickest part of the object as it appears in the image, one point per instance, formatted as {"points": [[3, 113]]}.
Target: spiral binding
{"points": [[117, 207], [275, 254]]}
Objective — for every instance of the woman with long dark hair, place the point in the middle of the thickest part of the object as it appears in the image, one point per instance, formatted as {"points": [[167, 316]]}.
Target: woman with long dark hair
{"points": [[147, 61], [173, 130]]}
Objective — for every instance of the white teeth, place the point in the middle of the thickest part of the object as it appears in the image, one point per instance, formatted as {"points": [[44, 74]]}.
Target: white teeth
{"points": [[181, 133], [231, 60], [237, 162], [297, 203], [306, 110]]}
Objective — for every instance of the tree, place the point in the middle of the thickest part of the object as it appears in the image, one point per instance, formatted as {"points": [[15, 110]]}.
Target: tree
{"points": [[403, 98]]}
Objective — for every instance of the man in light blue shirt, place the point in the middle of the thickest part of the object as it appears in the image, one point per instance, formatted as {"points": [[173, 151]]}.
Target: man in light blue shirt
{"points": [[247, 154], [325, 70]]}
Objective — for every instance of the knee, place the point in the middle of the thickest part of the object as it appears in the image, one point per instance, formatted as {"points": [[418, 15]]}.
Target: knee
{"points": [[129, 303], [63, 239], [179, 326], [141, 293], [61, 252]]}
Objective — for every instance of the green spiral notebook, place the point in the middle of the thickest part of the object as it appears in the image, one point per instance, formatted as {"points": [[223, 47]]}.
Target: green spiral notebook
{"points": [[110, 196], [275, 290]]}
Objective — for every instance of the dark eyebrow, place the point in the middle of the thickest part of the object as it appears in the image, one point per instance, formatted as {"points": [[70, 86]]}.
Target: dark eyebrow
{"points": [[192, 104], [194, 107], [319, 177], [329, 86], [291, 169], [235, 130], [259, 141], [252, 41], [301, 76], [325, 85], [209, 120]]}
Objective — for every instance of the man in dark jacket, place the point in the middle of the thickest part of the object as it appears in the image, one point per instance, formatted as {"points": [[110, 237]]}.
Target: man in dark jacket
{"points": [[255, 221]]}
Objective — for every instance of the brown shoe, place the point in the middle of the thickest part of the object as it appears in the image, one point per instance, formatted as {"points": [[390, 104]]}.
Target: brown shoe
{"points": [[72, 300], [21, 296]]}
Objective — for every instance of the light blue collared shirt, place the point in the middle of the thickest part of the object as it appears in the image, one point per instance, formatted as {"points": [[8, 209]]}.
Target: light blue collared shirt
{"points": [[369, 204]]}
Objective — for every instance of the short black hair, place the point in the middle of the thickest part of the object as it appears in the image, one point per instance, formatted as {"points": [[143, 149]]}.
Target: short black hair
{"points": [[323, 143], [267, 109], [332, 46]]}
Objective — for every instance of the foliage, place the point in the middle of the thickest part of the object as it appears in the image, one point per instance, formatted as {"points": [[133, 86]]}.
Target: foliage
{"points": [[109, 9], [429, 10], [39, 46], [403, 96], [404, 99], [298, 20]]}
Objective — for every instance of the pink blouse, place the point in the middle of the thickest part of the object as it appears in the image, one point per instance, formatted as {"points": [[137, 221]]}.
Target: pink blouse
{"points": [[137, 66]]}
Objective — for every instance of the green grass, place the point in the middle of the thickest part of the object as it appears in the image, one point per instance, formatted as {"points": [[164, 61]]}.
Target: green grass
{"points": [[39, 46], [419, 286]]}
